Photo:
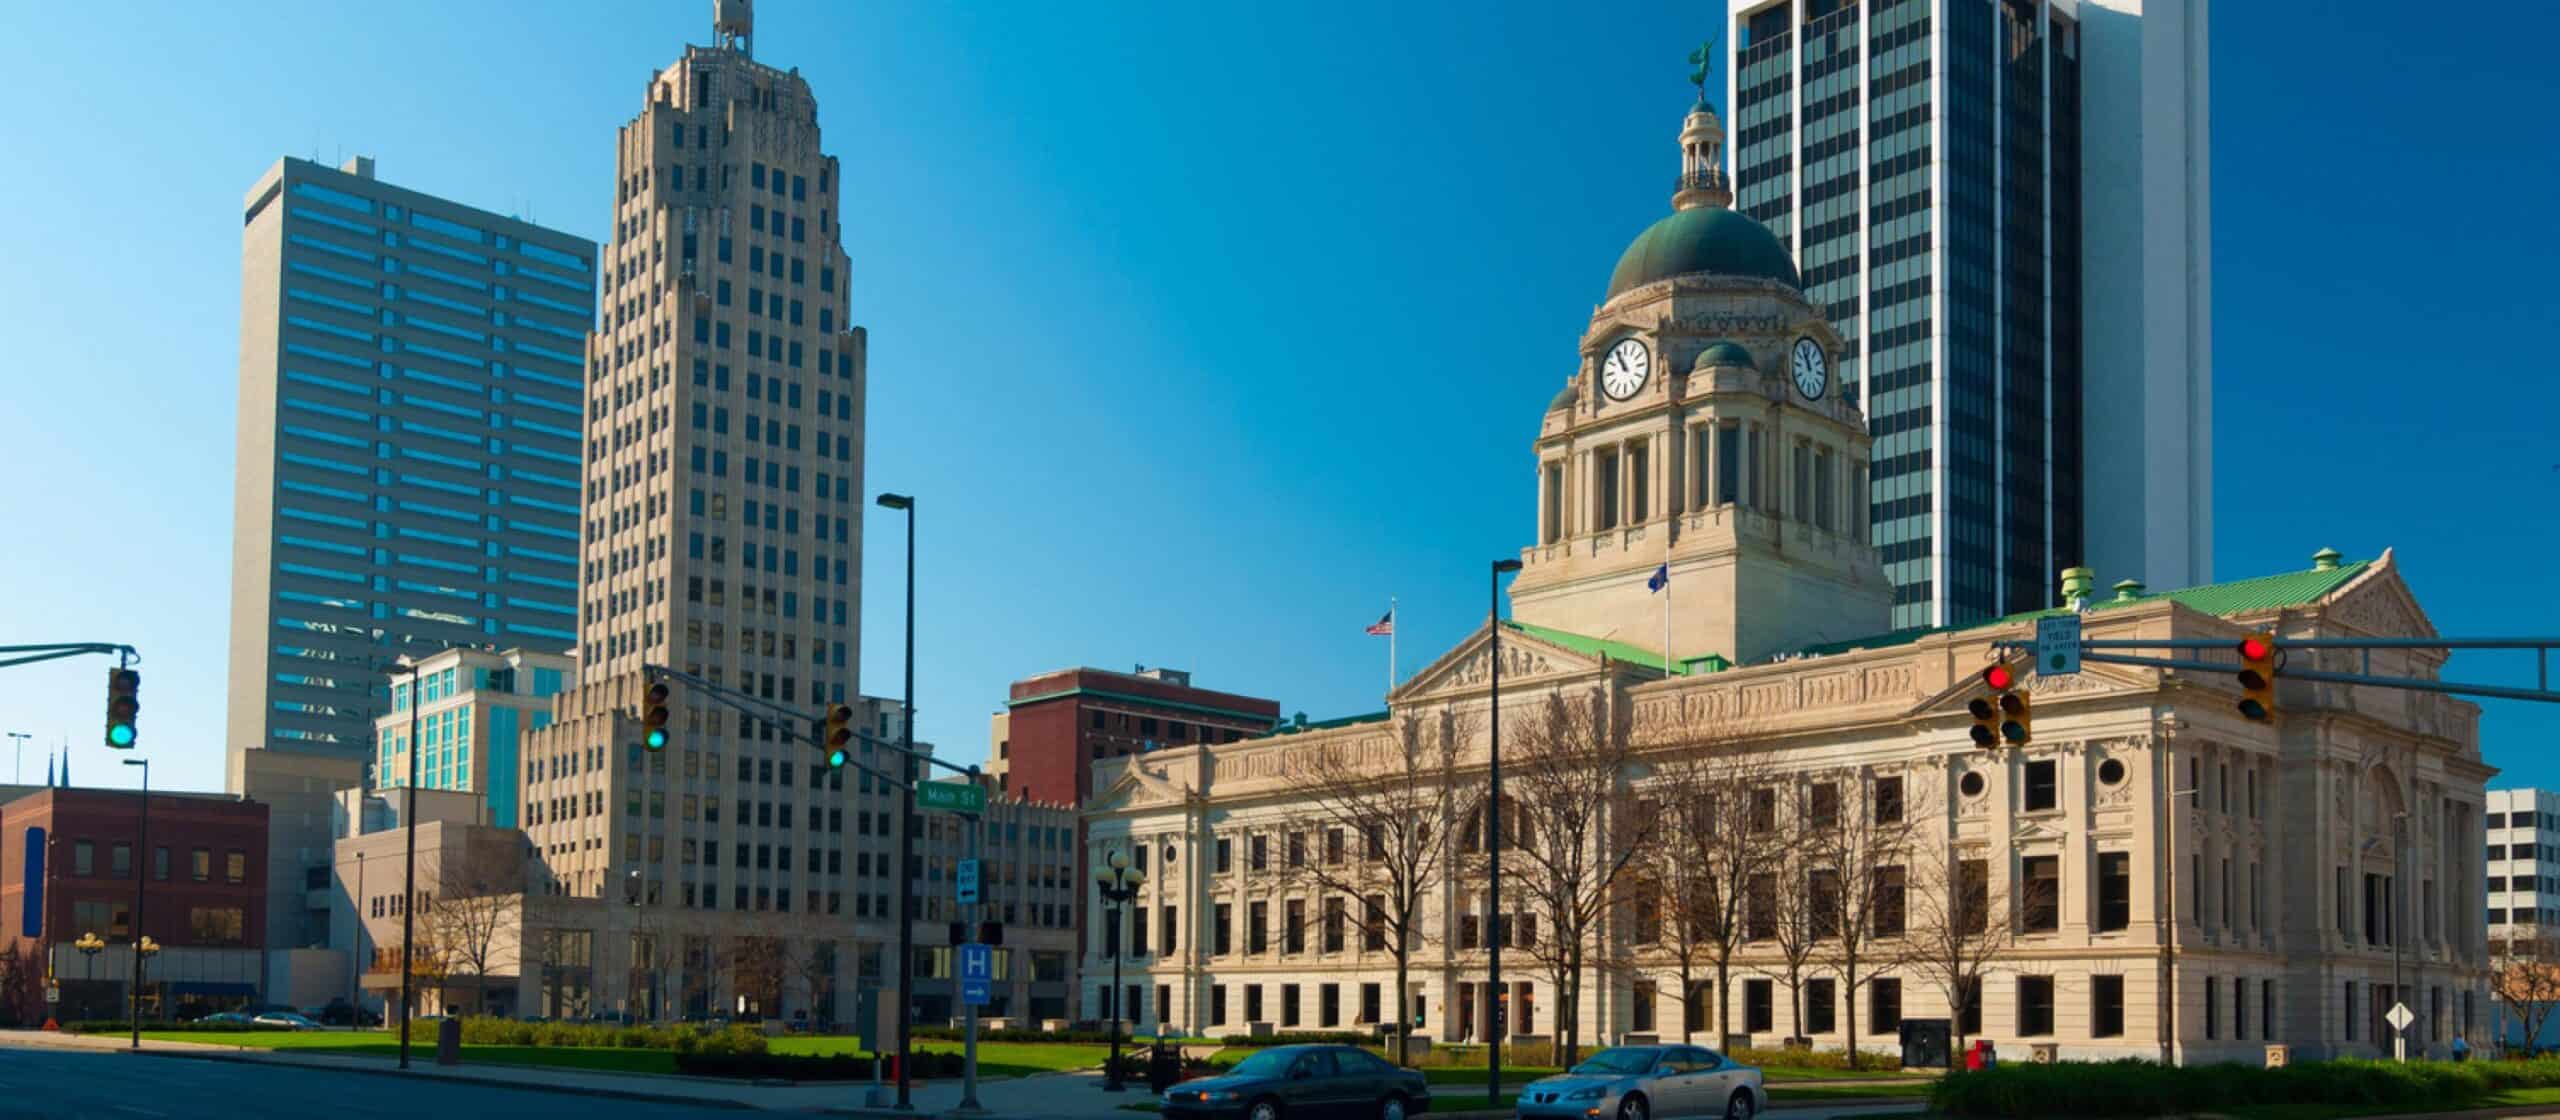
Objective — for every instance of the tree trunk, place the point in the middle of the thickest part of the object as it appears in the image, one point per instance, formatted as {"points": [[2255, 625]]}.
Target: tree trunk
{"points": [[1849, 990], [1688, 991], [1724, 1000], [1404, 1009]]}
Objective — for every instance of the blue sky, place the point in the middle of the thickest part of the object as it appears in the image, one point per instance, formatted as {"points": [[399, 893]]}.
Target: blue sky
{"points": [[1200, 331]]}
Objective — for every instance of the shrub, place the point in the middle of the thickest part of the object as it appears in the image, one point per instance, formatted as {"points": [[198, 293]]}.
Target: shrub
{"points": [[1017, 1035], [682, 1038], [2133, 1087], [1296, 1038], [1810, 1059], [805, 1067]]}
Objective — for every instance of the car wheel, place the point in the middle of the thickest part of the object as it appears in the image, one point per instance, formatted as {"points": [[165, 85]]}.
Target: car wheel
{"points": [[1391, 1108], [1265, 1110], [1632, 1108], [1739, 1108]]}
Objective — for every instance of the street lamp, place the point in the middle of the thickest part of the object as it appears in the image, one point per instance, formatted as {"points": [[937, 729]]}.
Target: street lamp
{"points": [[90, 945], [1494, 1003], [18, 766], [906, 805], [142, 945], [1119, 883], [409, 869]]}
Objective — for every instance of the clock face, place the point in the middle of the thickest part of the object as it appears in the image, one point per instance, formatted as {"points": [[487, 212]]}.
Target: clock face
{"points": [[1813, 375], [1626, 368]]}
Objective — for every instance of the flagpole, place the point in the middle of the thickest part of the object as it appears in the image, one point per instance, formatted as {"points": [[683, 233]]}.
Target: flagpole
{"points": [[1391, 643], [1666, 593]]}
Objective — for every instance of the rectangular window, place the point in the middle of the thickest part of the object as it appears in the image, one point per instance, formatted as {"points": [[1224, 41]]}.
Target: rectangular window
{"points": [[2213, 1007], [1328, 1005], [2039, 786], [1217, 1005], [1253, 1001], [1138, 930], [1821, 1001], [1756, 1017], [1293, 933], [1257, 937], [120, 859], [2106, 1006], [84, 858], [1226, 852], [2035, 1005], [202, 860], [1288, 1005], [235, 866], [1221, 930], [1258, 852], [2115, 891], [1888, 801], [1884, 1005], [2040, 909]]}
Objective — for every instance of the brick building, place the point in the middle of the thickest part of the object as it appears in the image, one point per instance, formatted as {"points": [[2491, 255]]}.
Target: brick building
{"points": [[1056, 725], [204, 902]]}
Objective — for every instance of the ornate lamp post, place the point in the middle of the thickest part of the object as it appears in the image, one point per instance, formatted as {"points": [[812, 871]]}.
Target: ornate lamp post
{"points": [[142, 946], [1119, 883], [143, 951], [90, 945]]}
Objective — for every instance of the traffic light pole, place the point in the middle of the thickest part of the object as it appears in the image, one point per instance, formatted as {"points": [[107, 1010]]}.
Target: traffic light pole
{"points": [[2092, 650], [29, 655], [969, 1008]]}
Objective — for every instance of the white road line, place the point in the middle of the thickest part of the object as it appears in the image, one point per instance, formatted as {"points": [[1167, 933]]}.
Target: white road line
{"points": [[136, 1110]]}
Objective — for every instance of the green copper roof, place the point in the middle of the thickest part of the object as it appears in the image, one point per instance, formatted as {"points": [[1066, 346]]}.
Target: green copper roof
{"points": [[2242, 596], [1596, 647], [1725, 352], [1704, 239]]}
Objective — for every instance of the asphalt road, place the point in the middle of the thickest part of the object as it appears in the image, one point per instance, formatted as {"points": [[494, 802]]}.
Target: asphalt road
{"points": [[71, 1085]]}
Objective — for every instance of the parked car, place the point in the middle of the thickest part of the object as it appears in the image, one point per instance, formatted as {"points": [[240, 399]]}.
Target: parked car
{"points": [[287, 1020], [1303, 1083], [1643, 1082], [220, 1018]]}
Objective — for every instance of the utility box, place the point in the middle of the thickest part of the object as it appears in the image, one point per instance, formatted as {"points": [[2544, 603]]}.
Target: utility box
{"points": [[448, 1042]]}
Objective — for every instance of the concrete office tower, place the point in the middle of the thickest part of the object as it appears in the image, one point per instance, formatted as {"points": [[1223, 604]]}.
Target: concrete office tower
{"points": [[410, 388], [723, 509], [2004, 205]]}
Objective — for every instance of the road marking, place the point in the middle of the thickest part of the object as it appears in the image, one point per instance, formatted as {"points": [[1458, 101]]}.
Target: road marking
{"points": [[136, 1109]]}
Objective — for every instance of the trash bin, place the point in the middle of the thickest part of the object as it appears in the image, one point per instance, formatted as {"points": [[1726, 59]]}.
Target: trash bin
{"points": [[448, 1042], [1164, 1067], [1982, 1056]]}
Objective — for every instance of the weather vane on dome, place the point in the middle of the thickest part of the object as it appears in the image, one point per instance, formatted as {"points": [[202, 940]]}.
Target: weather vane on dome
{"points": [[1700, 61]]}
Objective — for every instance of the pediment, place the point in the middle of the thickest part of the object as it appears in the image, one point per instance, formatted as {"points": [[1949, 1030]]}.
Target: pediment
{"points": [[1138, 787], [1468, 667], [2378, 603]]}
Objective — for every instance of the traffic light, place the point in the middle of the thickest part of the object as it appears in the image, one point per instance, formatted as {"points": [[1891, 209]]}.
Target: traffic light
{"points": [[124, 705], [959, 933], [2015, 724], [839, 734], [1986, 709], [653, 716], [2258, 676], [991, 933]]}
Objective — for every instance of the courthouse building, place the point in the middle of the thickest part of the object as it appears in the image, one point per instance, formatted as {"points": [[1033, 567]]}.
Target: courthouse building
{"points": [[2181, 882]]}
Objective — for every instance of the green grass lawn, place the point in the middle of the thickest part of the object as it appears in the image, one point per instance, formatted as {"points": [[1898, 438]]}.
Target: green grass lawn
{"points": [[422, 1045]]}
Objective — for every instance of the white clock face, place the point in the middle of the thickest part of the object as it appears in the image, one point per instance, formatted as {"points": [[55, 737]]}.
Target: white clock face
{"points": [[1626, 368], [1813, 375]]}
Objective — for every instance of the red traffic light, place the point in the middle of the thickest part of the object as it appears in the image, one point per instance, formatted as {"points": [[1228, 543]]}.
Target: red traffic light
{"points": [[2255, 648], [2000, 677]]}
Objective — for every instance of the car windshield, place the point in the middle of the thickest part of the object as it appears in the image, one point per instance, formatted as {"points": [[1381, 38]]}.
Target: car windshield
{"points": [[1619, 1060], [1268, 1063]]}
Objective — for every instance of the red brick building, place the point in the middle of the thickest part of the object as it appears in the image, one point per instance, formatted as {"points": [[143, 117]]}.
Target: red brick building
{"points": [[1056, 725], [204, 896]]}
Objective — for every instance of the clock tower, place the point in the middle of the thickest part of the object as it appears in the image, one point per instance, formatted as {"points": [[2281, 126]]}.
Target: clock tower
{"points": [[1703, 434]]}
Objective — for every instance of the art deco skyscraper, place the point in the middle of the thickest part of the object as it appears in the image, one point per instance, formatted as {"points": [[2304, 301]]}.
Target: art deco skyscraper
{"points": [[722, 536]]}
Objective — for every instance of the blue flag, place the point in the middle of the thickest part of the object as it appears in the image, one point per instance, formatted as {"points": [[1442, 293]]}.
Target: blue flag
{"points": [[1661, 579]]}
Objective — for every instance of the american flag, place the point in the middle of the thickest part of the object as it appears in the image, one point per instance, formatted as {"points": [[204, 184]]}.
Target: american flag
{"points": [[1386, 624]]}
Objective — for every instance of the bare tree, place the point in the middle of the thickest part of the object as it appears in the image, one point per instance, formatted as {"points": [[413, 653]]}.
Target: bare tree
{"points": [[1858, 852], [1962, 925], [1799, 909], [1704, 860], [813, 966], [474, 919], [1573, 834], [760, 963], [1381, 822], [2524, 975]]}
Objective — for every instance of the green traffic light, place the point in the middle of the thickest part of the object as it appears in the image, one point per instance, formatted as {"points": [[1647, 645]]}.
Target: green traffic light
{"points": [[120, 735], [836, 758], [657, 738]]}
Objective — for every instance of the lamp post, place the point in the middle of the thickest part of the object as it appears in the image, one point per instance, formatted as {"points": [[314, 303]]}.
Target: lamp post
{"points": [[142, 946], [409, 867], [1119, 883], [90, 945], [2399, 919], [18, 766], [355, 956], [906, 805], [1494, 1003]]}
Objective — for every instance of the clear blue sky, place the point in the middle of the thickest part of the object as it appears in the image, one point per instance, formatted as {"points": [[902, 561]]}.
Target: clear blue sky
{"points": [[1199, 333]]}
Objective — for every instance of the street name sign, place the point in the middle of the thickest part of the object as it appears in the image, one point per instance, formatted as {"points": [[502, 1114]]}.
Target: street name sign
{"points": [[950, 797]]}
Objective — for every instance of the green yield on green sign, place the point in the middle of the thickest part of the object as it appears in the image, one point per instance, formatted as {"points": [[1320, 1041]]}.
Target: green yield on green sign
{"points": [[950, 797]]}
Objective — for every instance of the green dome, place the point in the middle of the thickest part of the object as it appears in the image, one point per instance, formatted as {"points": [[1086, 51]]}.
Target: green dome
{"points": [[1725, 352], [1564, 399], [1707, 239]]}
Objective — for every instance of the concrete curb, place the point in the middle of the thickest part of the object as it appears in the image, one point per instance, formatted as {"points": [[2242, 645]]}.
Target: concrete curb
{"points": [[456, 1078]]}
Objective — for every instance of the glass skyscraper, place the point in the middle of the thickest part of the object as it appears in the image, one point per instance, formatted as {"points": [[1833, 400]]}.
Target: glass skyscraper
{"points": [[411, 393], [1924, 161]]}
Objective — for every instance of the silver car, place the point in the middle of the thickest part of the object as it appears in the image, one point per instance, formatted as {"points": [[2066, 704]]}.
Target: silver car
{"points": [[1643, 1082]]}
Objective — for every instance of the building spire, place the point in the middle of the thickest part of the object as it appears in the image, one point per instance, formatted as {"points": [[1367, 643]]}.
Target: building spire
{"points": [[1702, 181]]}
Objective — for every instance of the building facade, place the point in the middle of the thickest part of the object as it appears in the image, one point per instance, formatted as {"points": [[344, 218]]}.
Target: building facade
{"points": [[203, 895], [2523, 859], [2003, 206], [1055, 725], [473, 710], [410, 394], [2172, 880]]}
